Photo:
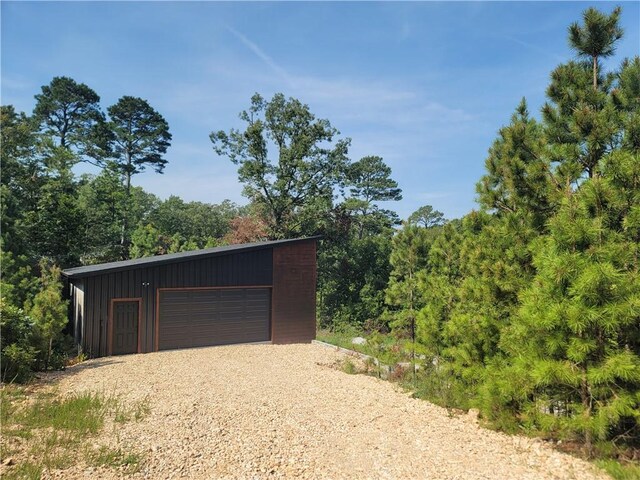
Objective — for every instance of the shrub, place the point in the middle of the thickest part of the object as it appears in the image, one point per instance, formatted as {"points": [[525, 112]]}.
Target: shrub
{"points": [[17, 363], [49, 311], [18, 354]]}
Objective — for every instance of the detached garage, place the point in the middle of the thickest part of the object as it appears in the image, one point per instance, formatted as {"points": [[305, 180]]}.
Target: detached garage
{"points": [[256, 292]]}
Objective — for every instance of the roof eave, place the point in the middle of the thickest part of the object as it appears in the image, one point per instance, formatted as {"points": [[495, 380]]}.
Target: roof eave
{"points": [[193, 255]]}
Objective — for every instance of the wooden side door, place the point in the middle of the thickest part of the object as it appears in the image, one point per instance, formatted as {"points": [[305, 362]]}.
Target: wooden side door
{"points": [[125, 322]]}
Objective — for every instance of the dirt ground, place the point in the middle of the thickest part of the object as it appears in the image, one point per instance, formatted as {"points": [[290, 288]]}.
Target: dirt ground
{"points": [[270, 411]]}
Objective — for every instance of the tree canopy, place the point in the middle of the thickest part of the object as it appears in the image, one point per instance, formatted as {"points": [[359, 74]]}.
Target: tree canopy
{"points": [[288, 160]]}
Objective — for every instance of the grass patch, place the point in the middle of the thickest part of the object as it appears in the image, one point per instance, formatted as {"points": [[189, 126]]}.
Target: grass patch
{"points": [[348, 366], [82, 414], [377, 345], [620, 471], [9, 398], [341, 338], [51, 430], [115, 458], [24, 471], [123, 412]]}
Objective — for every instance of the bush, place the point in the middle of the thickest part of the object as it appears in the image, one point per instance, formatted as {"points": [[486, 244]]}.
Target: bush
{"points": [[49, 310], [34, 341], [17, 363], [18, 353]]}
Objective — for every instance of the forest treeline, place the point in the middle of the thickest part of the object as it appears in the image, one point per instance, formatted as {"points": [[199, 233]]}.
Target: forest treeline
{"points": [[528, 308], [53, 218]]}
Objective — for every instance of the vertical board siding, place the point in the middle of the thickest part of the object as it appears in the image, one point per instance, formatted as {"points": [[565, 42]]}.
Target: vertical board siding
{"points": [[77, 299], [293, 316], [239, 269], [202, 317]]}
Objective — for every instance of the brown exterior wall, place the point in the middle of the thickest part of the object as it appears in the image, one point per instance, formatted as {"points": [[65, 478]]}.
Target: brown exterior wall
{"points": [[289, 269], [247, 268], [293, 314]]}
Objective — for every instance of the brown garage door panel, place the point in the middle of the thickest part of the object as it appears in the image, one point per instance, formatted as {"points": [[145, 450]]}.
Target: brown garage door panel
{"points": [[198, 318]]}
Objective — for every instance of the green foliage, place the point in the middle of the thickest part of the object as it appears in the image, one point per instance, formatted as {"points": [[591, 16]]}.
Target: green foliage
{"points": [[56, 222], [194, 220], [408, 261], [426, 216], [341, 335], [620, 471], [34, 341], [530, 308], [577, 326], [18, 282], [439, 287], [369, 180], [437, 383], [598, 36], [353, 273], [69, 111], [116, 458], [82, 414], [518, 175], [353, 260], [49, 310], [21, 177], [147, 241], [54, 430], [140, 139], [102, 201], [18, 354], [141, 136], [287, 161], [348, 366], [177, 226]]}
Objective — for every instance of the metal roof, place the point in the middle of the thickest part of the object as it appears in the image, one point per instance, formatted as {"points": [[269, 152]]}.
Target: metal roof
{"points": [[100, 268]]}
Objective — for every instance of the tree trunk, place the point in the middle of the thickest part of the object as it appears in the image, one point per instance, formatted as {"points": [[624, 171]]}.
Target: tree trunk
{"points": [[46, 363], [585, 396], [413, 329], [124, 239], [595, 73]]}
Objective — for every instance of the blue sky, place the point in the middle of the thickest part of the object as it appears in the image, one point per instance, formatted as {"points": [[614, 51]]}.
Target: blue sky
{"points": [[424, 85]]}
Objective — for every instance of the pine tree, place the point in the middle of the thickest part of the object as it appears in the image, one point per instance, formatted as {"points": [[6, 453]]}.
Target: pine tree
{"points": [[597, 38], [69, 112], [427, 216], [571, 363], [438, 288], [574, 325], [408, 261], [518, 178], [49, 310], [580, 117], [140, 139]]}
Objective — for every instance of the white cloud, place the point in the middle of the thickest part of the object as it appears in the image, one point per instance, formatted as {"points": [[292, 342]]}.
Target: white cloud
{"points": [[261, 54], [404, 123], [544, 51]]}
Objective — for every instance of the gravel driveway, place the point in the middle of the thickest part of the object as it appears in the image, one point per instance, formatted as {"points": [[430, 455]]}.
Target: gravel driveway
{"points": [[270, 411]]}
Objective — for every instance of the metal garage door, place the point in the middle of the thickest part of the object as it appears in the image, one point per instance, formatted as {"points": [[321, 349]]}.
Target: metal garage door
{"points": [[198, 318]]}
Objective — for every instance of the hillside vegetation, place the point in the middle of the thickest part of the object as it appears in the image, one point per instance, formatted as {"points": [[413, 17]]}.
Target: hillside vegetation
{"points": [[528, 308]]}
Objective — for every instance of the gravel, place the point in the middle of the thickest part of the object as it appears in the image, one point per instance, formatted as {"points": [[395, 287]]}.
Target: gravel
{"points": [[272, 411]]}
